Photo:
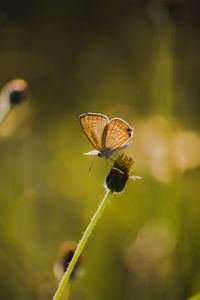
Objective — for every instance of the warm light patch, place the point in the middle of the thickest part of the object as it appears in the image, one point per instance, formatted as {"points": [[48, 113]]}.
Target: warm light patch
{"points": [[153, 148], [186, 150], [155, 241]]}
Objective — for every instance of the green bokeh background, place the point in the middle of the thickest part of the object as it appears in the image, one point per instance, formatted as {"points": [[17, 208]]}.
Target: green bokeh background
{"points": [[138, 60]]}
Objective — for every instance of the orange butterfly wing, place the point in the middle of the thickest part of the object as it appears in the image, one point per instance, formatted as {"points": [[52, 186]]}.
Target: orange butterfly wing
{"points": [[116, 133], [93, 126]]}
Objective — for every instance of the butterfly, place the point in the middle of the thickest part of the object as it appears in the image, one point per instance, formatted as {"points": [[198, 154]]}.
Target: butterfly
{"points": [[106, 136]]}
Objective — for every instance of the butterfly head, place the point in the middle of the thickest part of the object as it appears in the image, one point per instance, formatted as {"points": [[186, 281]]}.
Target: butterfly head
{"points": [[95, 153]]}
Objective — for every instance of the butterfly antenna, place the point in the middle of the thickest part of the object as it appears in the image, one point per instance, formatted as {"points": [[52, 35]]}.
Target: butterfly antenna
{"points": [[91, 164]]}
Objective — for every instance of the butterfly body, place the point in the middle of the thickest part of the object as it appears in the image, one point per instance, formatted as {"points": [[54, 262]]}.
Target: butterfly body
{"points": [[104, 153], [106, 136]]}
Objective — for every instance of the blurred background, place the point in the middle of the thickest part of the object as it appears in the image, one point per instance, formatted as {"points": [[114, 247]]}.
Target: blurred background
{"points": [[138, 60]]}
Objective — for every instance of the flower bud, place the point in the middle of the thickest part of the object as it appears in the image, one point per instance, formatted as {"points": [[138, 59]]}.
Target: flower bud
{"points": [[119, 173], [13, 93], [17, 97], [16, 91]]}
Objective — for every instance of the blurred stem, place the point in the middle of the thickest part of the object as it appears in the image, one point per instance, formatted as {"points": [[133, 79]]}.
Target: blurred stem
{"points": [[162, 79], [4, 110], [81, 245]]}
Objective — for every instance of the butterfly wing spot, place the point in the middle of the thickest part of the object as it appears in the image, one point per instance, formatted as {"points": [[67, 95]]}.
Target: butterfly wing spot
{"points": [[129, 130]]}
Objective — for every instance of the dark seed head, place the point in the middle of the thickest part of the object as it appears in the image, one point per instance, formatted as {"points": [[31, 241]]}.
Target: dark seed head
{"points": [[15, 92], [116, 180], [119, 173]]}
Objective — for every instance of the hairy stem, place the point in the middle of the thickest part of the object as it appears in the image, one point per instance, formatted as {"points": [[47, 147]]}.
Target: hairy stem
{"points": [[81, 245]]}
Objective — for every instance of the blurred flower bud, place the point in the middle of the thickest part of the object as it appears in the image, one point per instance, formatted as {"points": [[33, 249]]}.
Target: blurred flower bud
{"points": [[119, 173], [65, 255], [13, 93], [17, 97]]}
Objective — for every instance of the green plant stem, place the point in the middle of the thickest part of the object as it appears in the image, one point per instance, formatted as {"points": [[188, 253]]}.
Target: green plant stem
{"points": [[81, 245], [67, 290]]}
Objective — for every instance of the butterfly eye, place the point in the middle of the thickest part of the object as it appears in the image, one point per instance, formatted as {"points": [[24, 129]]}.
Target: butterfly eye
{"points": [[99, 154]]}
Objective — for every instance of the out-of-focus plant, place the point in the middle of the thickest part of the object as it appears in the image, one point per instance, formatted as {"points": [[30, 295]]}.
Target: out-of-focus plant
{"points": [[15, 92], [195, 297]]}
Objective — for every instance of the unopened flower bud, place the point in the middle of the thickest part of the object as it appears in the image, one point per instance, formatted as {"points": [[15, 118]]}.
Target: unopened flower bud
{"points": [[13, 93], [119, 173], [17, 97], [16, 91]]}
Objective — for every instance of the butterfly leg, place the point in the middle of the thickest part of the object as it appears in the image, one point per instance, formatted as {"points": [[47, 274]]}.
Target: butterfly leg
{"points": [[116, 155], [109, 161], [92, 164]]}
